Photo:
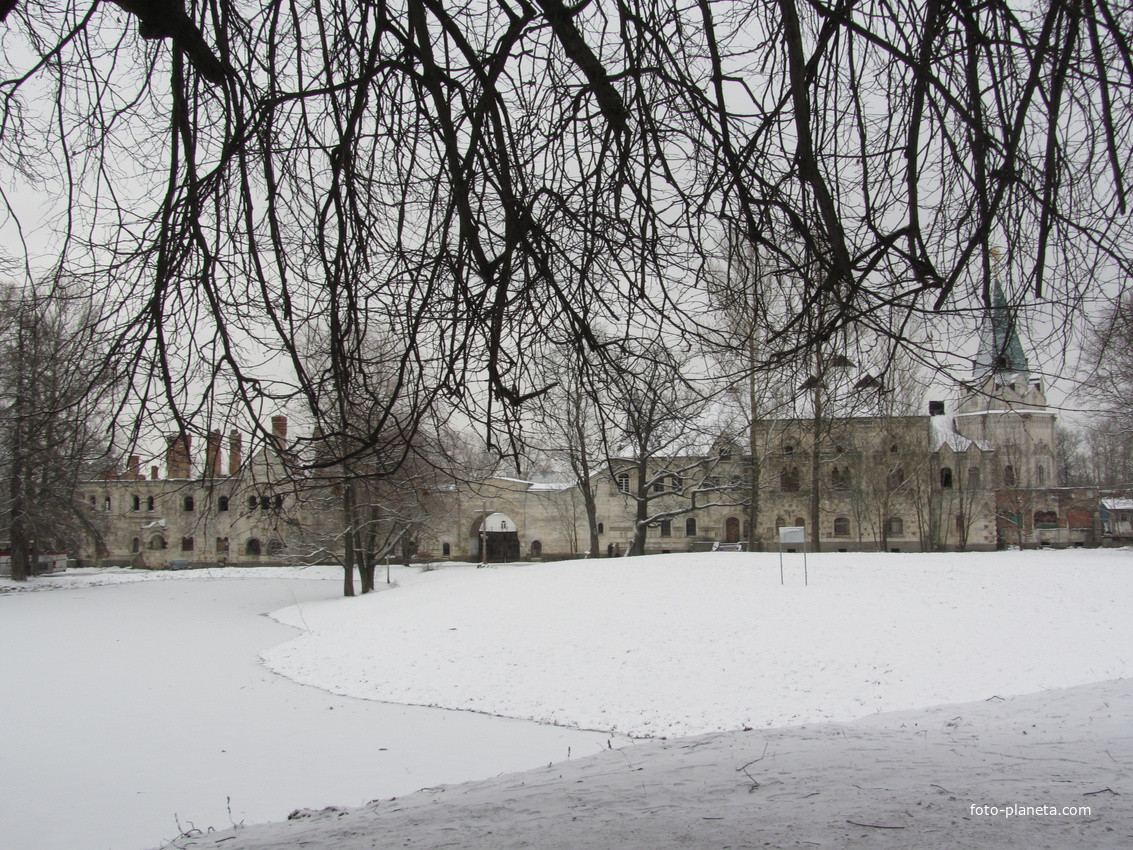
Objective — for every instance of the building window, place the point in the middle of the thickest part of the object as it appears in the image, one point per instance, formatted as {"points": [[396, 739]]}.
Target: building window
{"points": [[946, 477], [252, 502], [666, 528], [222, 545], [278, 503], [800, 522], [265, 503], [93, 503], [690, 527], [186, 544], [252, 547], [623, 482], [788, 449], [894, 526], [446, 549], [842, 526], [974, 478], [897, 478], [157, 542], [275, 547], [189, 504], [789, 480], [1009, 476], [536, 549], [894, 449], [1040, 475], [601, 528], [659, 484], [136, 546], [137, 503], [150, 503], [106, 504], [222, 504]]}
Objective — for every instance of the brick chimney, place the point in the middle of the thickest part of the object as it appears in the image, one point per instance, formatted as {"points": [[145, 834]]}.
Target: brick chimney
{"points": [[153, 473], [279, 430], [235, 452], [134, 467], [212, 454], [177, 457]]}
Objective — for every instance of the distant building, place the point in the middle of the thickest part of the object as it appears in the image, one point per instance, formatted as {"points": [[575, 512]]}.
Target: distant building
{"points": [[980, 477]]}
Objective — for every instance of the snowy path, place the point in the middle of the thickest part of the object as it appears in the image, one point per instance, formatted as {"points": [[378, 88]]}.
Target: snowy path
{"points": [[903, 780], [126, 708]]}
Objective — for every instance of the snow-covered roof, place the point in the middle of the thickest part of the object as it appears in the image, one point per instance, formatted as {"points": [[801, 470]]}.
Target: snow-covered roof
{"points": [[944, 434], [1118, 504]]}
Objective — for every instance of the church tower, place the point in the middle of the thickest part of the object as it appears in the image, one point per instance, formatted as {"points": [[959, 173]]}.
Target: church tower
{"points": [[1005, 404]]}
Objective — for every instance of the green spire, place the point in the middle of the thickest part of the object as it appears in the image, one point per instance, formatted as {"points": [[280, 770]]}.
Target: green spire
{"points": [[1001, 353]]}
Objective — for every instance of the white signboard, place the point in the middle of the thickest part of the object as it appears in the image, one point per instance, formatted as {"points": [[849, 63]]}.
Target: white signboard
{"points": [[792, 534]]}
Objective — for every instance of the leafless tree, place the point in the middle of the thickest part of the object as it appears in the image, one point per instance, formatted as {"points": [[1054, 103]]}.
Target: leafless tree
{"points": [[490, 180], [53, 385]]}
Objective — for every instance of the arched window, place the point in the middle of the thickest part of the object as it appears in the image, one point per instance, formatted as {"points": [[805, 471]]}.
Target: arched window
{"points": [[732, 530], [150, 503], [1009, 476], [252, 547], [93, 503], [252, 502], [601, 528], [106, 504], [897, 478], [666, 528], [275, 547], [446, 549], [222, 504], [136, 545], [1040, 475], [623, 482], [157, 542], [189, 505], [841, 526], [894, 526], [780, 522], [690, 527], [265, 503], [536, 549], [974, 478], [187, 544], [278, 502], [789, 479], [800, 522], [946, 477], [137, 504]]}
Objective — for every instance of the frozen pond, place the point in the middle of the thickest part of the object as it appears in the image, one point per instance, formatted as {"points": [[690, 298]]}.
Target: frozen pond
{"points": [[132, 708]]}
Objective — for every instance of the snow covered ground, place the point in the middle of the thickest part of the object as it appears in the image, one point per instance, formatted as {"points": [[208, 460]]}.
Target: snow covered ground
{"points": [[835, 684], [135, 711]]}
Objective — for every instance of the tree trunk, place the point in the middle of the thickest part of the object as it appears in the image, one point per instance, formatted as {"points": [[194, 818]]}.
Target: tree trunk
{"points": [[756, 466], [348, 539], [816, 460], [640, 529]]}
